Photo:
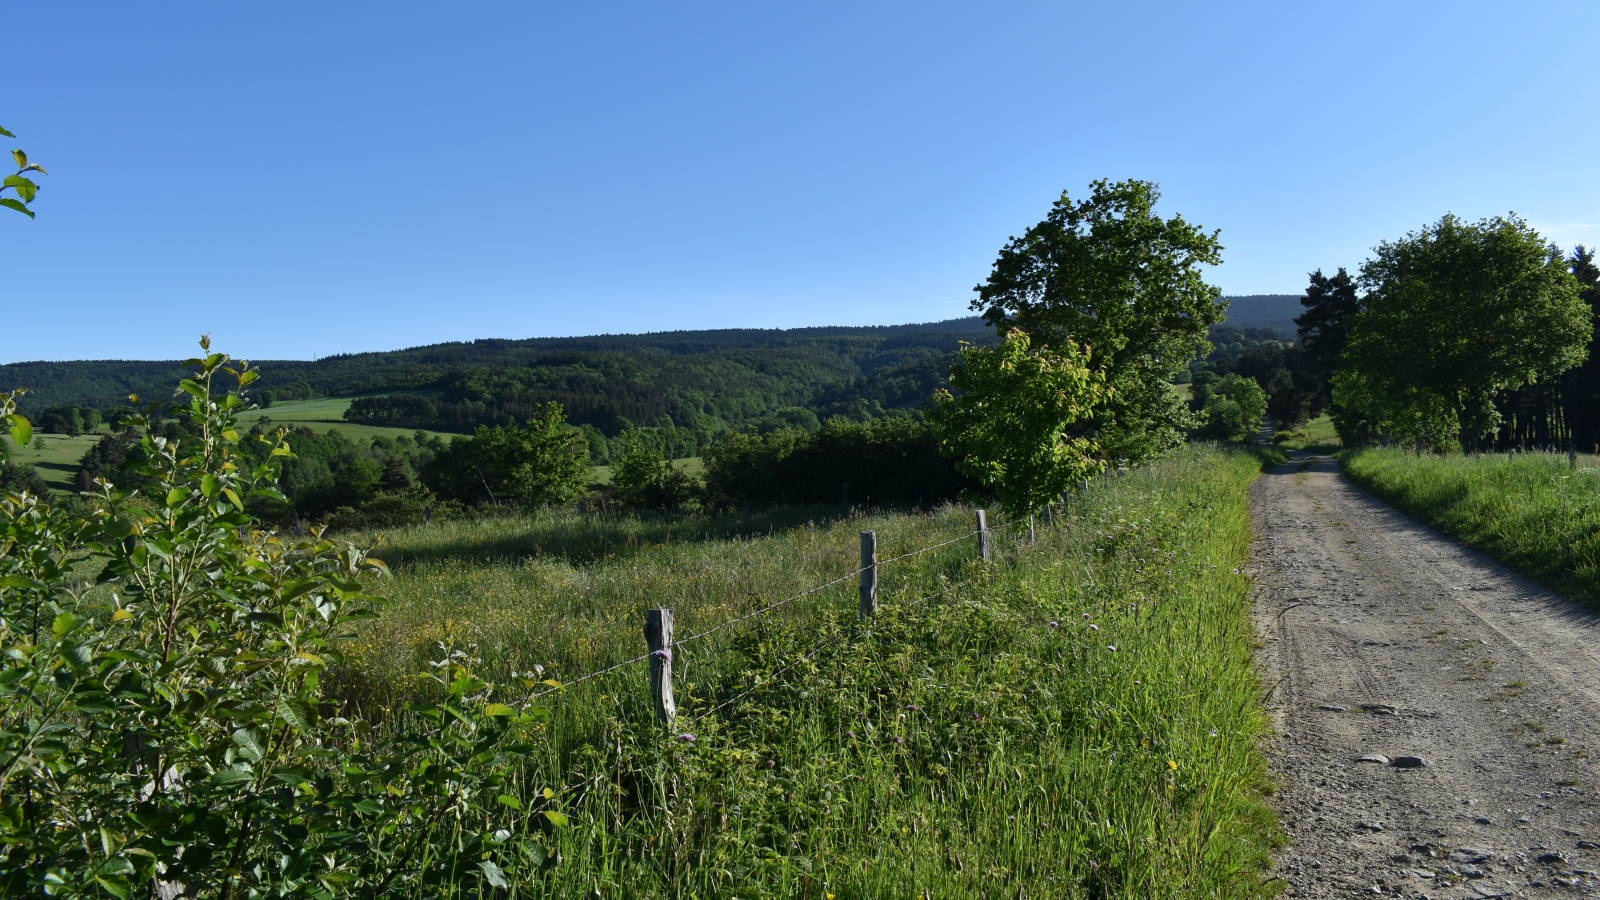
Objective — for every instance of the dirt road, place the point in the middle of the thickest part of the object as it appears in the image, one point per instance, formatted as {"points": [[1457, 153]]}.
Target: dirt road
{"points": [[1475, 693]]}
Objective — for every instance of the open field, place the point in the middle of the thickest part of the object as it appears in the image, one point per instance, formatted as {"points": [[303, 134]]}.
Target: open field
{"points": [[1532, 511], [694, 465], [1078, 718], [57, 461], [1319, 434], [323, 415]]}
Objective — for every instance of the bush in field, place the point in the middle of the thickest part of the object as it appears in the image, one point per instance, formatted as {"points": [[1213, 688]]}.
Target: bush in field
{"points": [[174, 733], [542, 462], [892, 460], [1231, 406], [642, 478]]}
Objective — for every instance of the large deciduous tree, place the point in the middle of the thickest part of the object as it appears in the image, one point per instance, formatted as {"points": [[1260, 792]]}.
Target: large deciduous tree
{"points": [[1009, 427], [1454, 314], [1109, 273]]}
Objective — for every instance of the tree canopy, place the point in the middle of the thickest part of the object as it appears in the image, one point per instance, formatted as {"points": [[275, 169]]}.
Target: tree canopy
{"points": [[1454, 314], [1109, 273], [1009, 425]]}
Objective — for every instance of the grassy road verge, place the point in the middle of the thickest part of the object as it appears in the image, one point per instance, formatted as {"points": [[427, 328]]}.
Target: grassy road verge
{"points": [[1078, 718], [1532, 511]]}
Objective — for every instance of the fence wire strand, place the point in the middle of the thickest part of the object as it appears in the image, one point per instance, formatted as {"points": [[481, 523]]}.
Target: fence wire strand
{"points": [[768, 608]]}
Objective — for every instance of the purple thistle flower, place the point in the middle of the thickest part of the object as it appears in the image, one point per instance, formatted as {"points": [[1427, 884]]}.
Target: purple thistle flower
{"points": [[1086, 616], [1055, 624], [1093, 627], [687, 738], [898, 741], [664, 654], [850, 734], [1112, 647]]}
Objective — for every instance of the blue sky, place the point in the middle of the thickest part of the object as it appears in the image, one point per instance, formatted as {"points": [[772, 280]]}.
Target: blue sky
{"points": [[303, 179]]}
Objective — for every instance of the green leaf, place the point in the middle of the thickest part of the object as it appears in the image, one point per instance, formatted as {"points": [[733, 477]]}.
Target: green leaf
{"points": [[367, 807], [76, 656], [16, 205], [20, 583], [534, 852], [64, 624], [116, 885], [25, 189], [210, 486], [231, 777], [176, 496], [21, 158], [556, 819], [498, 709], [493, 874], [300, 715], [509, 801], [252, 740], [232, 498], [6, 133], [21, 430]]}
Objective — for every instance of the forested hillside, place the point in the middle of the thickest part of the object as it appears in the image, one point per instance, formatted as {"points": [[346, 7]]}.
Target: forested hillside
{"points": [[792, 363], [1274, 311]]}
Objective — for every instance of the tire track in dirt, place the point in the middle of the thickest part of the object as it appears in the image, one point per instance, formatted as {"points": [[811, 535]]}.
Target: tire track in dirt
{"points": [[1384, 637]]}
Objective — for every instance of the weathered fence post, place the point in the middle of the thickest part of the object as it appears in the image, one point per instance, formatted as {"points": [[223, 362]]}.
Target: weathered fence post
{"points": [[983, 536], [1049, 515], [869, 573], [427, 514], [658, 635]]}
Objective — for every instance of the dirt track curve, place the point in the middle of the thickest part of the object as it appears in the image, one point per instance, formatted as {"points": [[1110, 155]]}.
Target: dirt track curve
{"points": [[1385, 639]]}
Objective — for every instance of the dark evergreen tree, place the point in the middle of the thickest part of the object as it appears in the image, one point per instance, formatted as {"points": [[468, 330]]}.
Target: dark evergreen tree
{"points": [[1323, 327]]}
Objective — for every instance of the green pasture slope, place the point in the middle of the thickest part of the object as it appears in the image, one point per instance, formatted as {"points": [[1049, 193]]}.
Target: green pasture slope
{"points": [[1078, 718], [1533, 511], [322, 415], [57, 460]]}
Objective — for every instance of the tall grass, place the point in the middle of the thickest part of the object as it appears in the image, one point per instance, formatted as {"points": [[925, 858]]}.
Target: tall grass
{"points": [[1533, 511], [1078, 718]]}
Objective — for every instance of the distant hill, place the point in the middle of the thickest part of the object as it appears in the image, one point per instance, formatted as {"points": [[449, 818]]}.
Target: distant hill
{"points": [[1275, 311], [773, 368]]}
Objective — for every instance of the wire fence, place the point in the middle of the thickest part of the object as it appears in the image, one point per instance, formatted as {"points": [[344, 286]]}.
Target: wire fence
{"points": [[872, 567]]}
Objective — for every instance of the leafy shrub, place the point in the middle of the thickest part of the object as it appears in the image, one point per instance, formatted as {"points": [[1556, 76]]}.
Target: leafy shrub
{"points": [[640, 477], [893, 460], [173, 732], [543, 462]]}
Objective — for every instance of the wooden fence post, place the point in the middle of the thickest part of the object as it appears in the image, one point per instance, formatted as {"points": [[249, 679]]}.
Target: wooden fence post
{"points": [[1049, 515], [658, 635], [869, 573], [983, 536]]}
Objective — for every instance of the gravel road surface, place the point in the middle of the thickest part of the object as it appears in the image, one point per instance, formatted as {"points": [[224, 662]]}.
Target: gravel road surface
{"points": [[1437, 715]]}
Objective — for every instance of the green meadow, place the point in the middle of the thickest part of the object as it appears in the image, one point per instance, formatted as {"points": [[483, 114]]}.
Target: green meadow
{"points": [[1535, 511], [54, 456], [1078, 717], [322, 415]]}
